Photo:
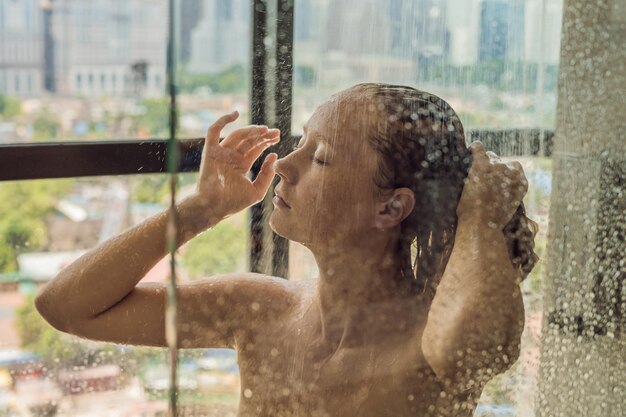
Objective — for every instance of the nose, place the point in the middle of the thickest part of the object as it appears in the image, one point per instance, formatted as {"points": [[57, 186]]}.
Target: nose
{"points": [[285, 169]]}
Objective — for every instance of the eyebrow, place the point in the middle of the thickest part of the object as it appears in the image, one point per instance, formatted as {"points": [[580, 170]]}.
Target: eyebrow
{"points": [[319, 137]]}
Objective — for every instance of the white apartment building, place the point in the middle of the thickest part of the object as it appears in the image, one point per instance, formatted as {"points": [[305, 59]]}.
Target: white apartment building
{"points": [[110, 47], [21, 48]]}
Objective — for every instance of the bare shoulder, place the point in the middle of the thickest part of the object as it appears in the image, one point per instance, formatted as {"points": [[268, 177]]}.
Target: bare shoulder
{"points": [[258, 292], [251, 304]]}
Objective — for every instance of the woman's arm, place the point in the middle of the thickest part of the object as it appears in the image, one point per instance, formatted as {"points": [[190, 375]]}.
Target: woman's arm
{"points": [[109, 272], [97, 296], [477, 315]]}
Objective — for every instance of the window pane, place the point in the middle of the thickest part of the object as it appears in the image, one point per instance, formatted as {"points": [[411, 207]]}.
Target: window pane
{"points": [[69, 58], [497, 63], [47, 224], [345, 349], [494, 61], [95, 70], [214, 62]]}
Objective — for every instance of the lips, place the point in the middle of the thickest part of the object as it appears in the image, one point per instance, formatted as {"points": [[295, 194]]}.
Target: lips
{"points": [[279, 201]]}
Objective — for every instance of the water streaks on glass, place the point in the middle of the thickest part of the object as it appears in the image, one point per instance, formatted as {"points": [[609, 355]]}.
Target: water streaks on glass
{"points": [[171, 313], [109, 70]]}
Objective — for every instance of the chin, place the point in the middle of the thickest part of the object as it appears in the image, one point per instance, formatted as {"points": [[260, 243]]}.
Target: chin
{"points": [[283, 229], [278, 227]]}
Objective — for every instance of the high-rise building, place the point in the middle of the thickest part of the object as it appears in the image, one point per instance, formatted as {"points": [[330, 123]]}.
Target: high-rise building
{"points": [[222, 37], [356, 38], [189, 17], [357, 27], [418, 28], [303, 21], [516, 30], [494, 30], [543, 31], [309, 31], [463, 23], [21, 47], [109, 47], [484, 30]]}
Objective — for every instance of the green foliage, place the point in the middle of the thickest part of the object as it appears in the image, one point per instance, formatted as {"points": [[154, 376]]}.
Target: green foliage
{"points": [[499, 74], [46, 126], [475, 118], [150, 189], [230, 80], [20, 232], [155, 119], [37, 336], [62, 350], [218, 250], [8, 258], [23, 207], [155, 188], [9, 106]]}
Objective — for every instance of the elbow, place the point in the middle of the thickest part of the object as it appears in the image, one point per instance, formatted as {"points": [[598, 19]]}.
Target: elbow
{"points": [[49, 308], [471, 373], [463, 368]]}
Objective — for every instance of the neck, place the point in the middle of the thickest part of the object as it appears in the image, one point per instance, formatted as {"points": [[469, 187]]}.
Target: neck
{"points": [[360, 291]]}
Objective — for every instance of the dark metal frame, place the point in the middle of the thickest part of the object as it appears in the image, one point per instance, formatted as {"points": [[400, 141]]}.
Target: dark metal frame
{"points": [[131, 157], [270, 104]]}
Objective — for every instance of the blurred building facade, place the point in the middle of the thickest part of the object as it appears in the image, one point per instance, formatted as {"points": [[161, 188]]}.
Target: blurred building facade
{"points": [[494, 29], [190, 13], [109, 47], [221, 38], [117, 47], [542, 31], [21, 48]]}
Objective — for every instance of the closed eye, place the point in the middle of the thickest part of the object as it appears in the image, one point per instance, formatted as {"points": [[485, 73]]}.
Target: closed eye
{"points": [[300, 144]]}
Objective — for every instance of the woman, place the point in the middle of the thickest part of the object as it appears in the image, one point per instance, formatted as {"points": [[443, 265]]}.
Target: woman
{"points": [[378, 167]]}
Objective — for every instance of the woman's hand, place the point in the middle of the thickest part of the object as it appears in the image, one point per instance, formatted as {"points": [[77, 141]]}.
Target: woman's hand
{"points": [[493, 190], [223, 185]]}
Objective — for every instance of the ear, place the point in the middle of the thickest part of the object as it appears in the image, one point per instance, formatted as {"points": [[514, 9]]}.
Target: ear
{"points": [[394, 208]]}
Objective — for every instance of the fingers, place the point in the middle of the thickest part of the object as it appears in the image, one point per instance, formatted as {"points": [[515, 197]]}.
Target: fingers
{"points": [[213, 134], [235, 138], [266, 174], [479, 153], [252, 142], [258, 149]]}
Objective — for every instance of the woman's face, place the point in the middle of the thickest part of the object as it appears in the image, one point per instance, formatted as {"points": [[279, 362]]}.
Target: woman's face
{"points": [[326, 192]]}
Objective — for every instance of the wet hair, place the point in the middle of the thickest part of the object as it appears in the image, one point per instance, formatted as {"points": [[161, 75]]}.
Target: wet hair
{"points": [[421, 142]]}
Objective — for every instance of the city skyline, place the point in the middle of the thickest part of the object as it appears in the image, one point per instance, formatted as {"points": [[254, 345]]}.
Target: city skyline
{"points": [[117, 47]]}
